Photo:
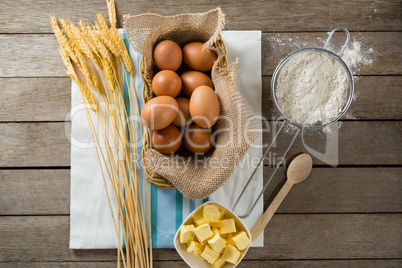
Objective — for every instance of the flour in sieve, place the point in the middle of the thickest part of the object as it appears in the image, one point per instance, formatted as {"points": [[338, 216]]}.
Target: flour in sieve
{"points": [[312, 88]]}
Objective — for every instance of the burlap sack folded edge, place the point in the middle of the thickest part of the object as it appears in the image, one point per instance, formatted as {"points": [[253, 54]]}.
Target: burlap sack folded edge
{"points": [[190, 183]]}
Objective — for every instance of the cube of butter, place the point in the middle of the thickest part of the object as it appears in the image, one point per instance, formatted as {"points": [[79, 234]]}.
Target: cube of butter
{"points": [[186, 233], [231, 254], [211, 213], [203, 232], [209, 254], [199, 219], [194, 248], [219, 263], [218, 223], [217, 243], [228, 226], [241, 240]]}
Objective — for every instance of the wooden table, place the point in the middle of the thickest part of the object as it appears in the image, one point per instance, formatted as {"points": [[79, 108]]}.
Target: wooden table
{"points": [[348, 216]]}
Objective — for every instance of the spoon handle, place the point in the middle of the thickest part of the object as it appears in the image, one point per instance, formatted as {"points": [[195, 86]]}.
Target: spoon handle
{"points": [[266, 217]]}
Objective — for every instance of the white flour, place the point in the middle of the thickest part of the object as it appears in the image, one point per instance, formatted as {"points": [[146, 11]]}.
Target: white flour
{"points": [[312, 88]]}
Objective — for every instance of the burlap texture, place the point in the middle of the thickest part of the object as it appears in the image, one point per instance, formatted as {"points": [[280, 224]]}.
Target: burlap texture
{"points": [[196, 177]]}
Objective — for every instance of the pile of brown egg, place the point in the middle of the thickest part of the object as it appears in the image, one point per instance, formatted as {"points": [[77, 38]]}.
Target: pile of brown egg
{"points": [[183, 101]]}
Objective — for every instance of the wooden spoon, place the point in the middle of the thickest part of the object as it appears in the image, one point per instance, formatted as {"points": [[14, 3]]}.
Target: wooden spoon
{"points": [[298, 171]]}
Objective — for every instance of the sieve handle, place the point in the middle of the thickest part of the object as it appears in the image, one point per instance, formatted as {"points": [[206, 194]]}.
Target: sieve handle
{"points": [[269, 180], [332, 33]]}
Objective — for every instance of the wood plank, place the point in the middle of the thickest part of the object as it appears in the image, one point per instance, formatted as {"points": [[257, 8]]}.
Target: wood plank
{"points": [[23, 16], [327, 190], [386, 56], [47, 144], [377, 97], [244, 263], [35, 191], [48, 99], [38, 144], [30, 56], [348, 143], [35, 99], [36, 55], [340, 190], [297, 236]]}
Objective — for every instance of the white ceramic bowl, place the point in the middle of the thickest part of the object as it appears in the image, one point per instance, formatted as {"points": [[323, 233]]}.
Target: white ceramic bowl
{"points": [[196, 261]]}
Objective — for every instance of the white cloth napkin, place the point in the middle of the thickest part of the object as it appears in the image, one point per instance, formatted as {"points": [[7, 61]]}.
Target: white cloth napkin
{"points": [[91, 225]]}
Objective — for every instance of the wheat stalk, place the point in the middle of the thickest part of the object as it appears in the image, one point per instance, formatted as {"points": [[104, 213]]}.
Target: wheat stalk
{"points": [[71, 72], [86, 51], [83, 44], [111, 12]]}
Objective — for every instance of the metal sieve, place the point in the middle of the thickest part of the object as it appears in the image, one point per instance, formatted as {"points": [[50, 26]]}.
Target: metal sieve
{"points": [[299, 126]]}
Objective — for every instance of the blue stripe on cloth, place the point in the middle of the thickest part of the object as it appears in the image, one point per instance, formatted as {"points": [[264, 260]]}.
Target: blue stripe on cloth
{"points": [[166, 217], [126, 97], [154, 216], [179, 209]]}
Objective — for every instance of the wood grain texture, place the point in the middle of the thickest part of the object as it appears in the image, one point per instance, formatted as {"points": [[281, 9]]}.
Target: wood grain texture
{"points": [[286, 237], [36, 55], [35, 192], [35, 99], [327, 190], [340, 190], [25, 144], [23, 16], [47, 144], [30, 56], [343, 145], [244, 263], [377, 97]]}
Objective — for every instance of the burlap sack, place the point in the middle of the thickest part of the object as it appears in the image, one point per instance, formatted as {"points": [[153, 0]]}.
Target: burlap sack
{"points": [[195, 177]]}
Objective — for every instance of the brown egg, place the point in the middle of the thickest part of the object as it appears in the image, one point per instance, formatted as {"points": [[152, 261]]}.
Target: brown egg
{"points": [[198, 140], [204, 106], [159, 112], [168, 55], [166, 83], [198, 59], [193, 79], [183, 116], [167, 140]]}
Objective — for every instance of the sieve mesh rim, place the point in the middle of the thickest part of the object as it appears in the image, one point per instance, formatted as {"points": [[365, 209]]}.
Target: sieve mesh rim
{"points": [[286, 61]]}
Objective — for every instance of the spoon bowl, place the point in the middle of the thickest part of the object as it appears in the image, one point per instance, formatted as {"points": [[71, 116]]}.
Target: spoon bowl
{"points": [[299, 168]]}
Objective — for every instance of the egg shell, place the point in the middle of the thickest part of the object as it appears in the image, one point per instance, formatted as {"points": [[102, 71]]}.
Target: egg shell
{"points": [[204, 107], [183, 117], [198, 140], [198, 59], [167, 140], [166, 83], [193, 79], [168, 55], [159, 112]]}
